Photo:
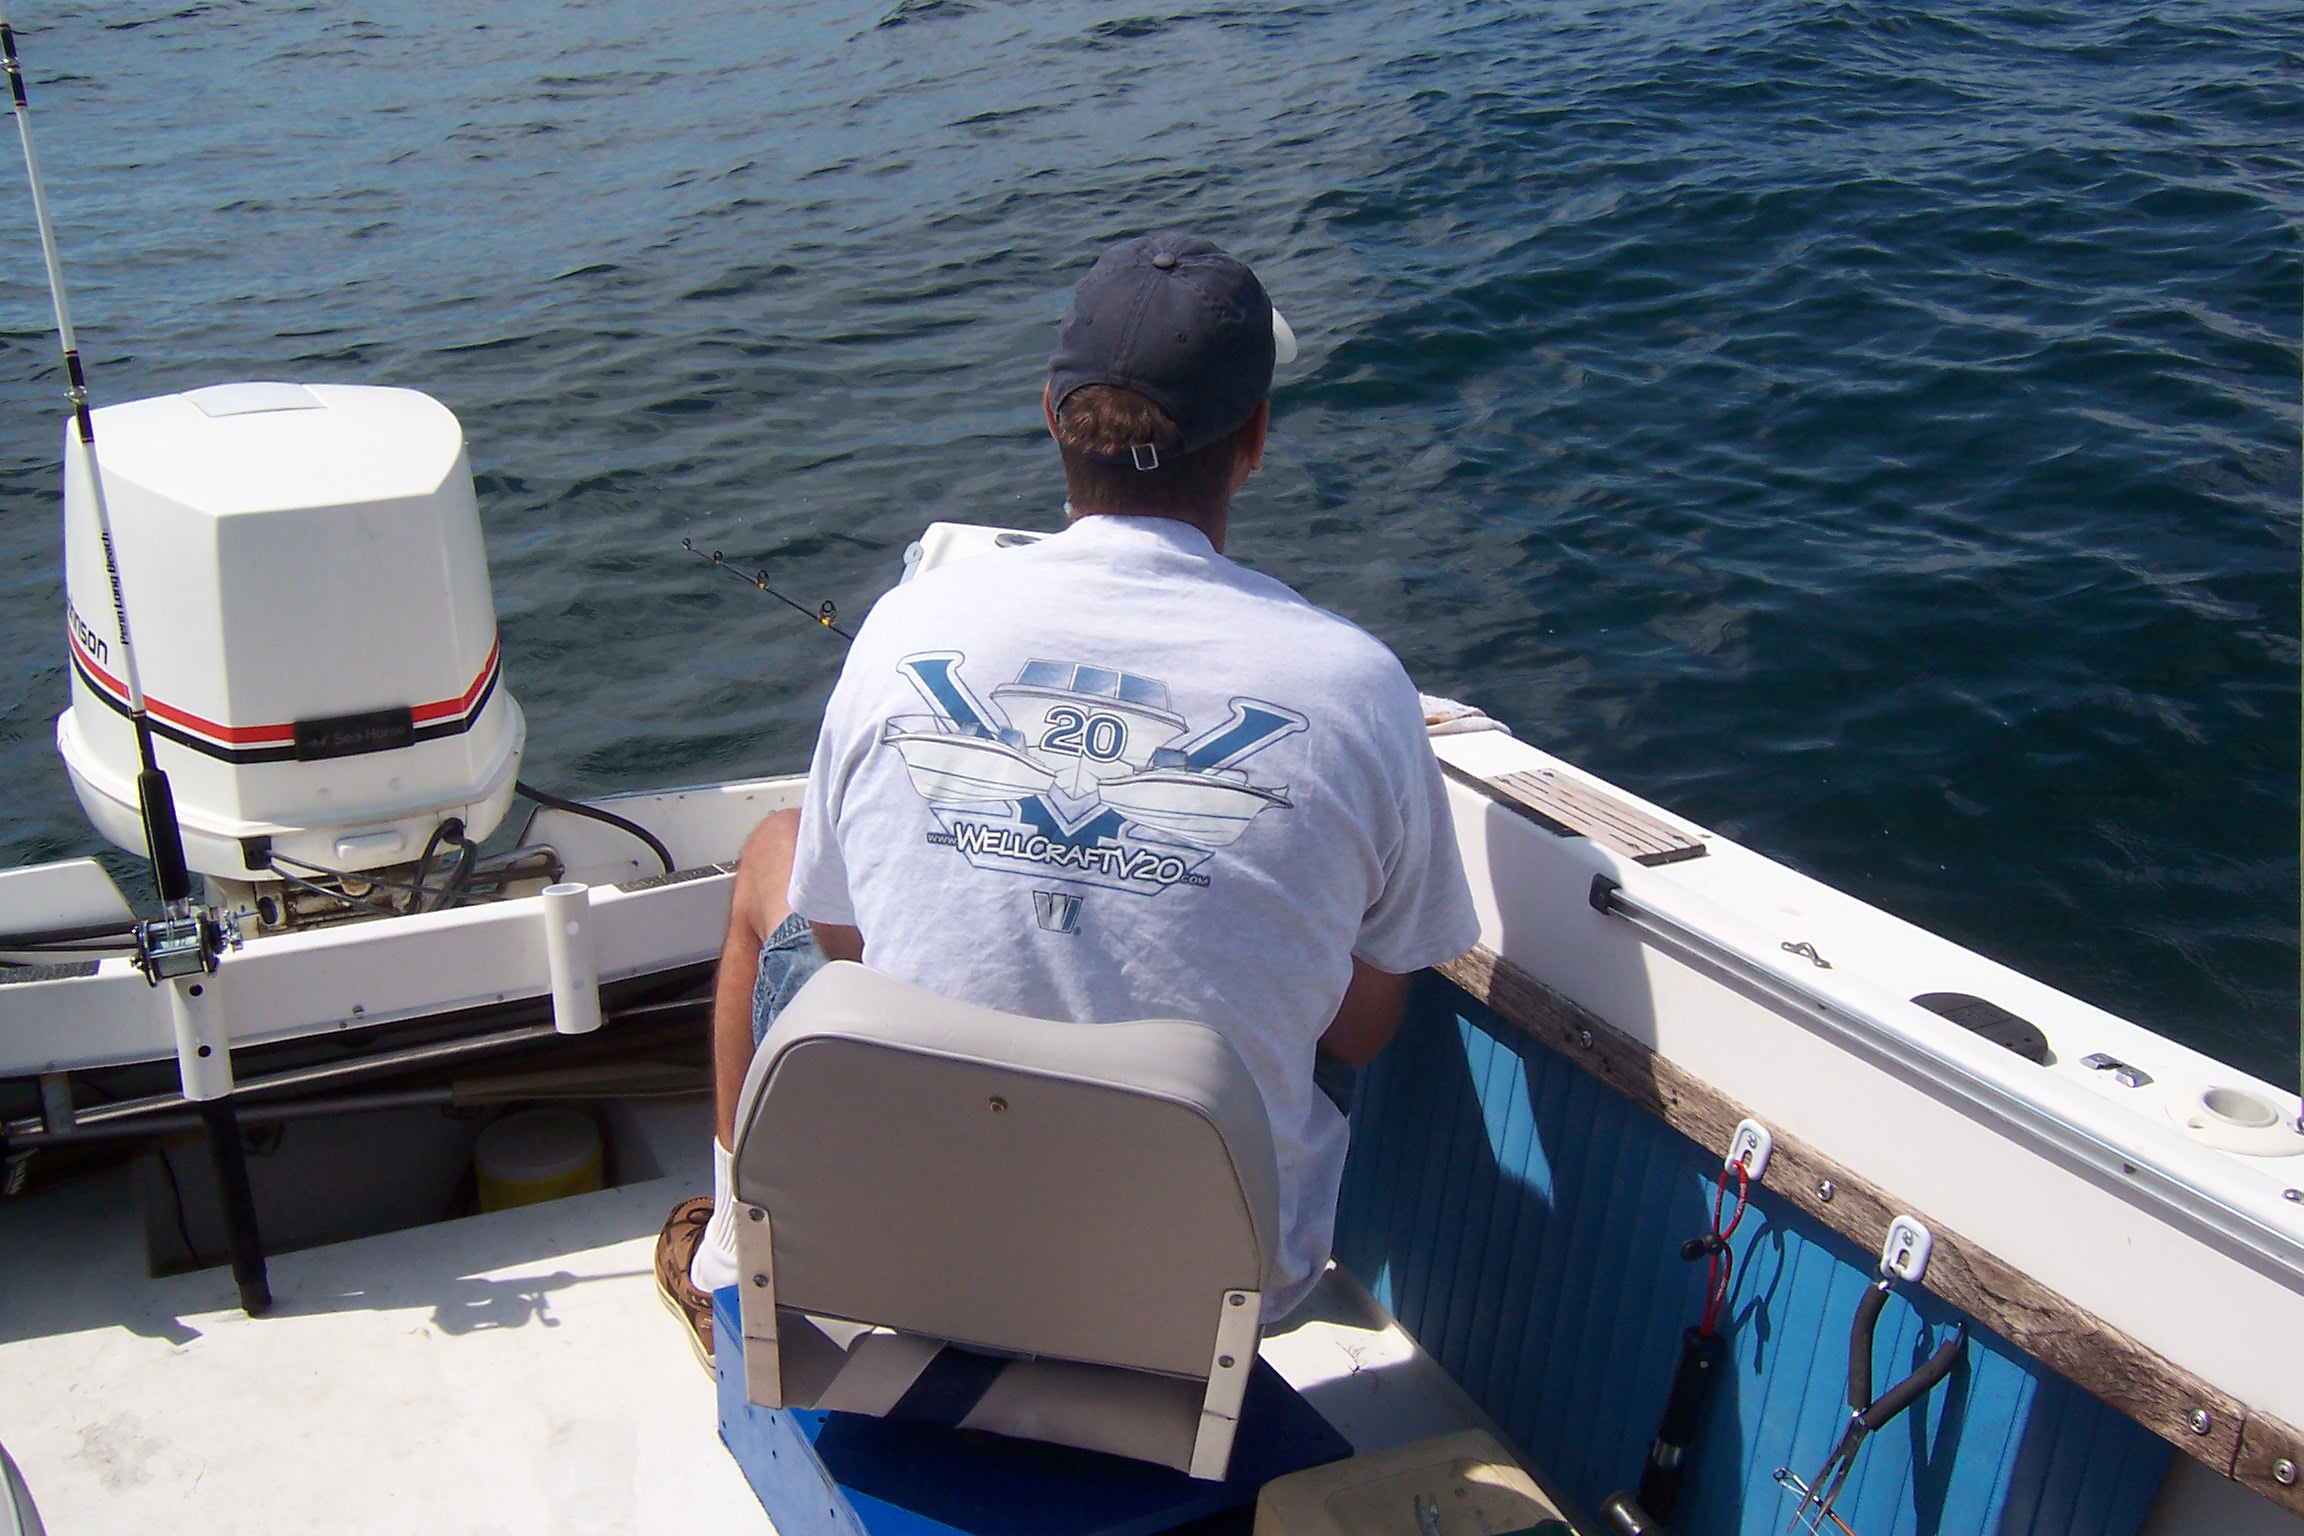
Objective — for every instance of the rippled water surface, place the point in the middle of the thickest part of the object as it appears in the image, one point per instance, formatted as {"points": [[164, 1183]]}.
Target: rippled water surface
{"points": [[1870, 429]]}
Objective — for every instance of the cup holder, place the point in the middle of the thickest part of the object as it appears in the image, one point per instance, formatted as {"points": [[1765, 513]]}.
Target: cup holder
{"points": [[2236, 1106], [2235, 1120]]}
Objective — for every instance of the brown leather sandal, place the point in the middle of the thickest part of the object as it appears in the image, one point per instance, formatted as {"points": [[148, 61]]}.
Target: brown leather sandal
{"points": [[675, 1248]]}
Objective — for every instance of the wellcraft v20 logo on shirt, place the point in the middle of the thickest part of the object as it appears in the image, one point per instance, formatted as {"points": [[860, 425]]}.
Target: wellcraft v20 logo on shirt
{"points": [[1099, 780]]}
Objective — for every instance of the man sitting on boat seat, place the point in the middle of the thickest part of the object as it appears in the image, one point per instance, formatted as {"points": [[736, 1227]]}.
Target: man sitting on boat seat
{"points": [[1111, 775]]}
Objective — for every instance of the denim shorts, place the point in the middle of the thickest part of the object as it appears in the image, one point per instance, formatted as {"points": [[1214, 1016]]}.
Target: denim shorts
{"points": [[787, 960]]}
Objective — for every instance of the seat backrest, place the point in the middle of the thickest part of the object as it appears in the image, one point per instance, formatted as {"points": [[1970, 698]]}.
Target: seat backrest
{"points": [[1088, 1192]]}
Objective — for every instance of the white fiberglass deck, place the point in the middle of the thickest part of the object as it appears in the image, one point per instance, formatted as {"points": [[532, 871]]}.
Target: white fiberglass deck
{"points": [[512, 1372], [506, 1373]]}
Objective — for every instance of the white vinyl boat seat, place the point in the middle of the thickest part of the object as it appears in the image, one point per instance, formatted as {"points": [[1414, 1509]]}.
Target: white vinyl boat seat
{"points": [[1050, 1230]]}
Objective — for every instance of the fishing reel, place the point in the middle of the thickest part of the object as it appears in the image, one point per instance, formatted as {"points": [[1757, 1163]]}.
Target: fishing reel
{"points": [[190, 944]]}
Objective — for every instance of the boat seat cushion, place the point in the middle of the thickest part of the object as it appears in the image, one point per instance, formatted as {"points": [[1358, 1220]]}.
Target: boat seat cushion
{"points": [[879, 1373], [1016, 1186]]}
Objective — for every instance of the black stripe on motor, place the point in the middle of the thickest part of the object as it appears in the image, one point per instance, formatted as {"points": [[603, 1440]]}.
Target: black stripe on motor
{"points": [[440, 730], [285, 753], [949, 1389], [182, 737]]}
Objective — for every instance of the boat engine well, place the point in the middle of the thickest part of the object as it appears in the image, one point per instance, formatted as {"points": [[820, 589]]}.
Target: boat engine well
{"points": [[314, 631]]}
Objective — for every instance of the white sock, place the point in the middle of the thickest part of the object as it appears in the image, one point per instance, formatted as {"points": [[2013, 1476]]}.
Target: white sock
{"points": [[715, 1263]]}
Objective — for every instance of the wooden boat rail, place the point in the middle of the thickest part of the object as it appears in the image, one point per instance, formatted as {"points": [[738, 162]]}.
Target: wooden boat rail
{"points": [[2205, 1423]]}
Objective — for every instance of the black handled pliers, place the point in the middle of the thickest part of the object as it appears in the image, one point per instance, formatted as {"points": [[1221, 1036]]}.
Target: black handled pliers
{"points": [[1865, 1413]]}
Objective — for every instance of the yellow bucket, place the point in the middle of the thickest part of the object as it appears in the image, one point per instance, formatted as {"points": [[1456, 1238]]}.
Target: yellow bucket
{"points": [[535, 1155]]}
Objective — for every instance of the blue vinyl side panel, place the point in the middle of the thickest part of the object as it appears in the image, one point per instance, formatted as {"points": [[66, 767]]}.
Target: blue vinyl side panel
{"points": [[1524, 1222]]}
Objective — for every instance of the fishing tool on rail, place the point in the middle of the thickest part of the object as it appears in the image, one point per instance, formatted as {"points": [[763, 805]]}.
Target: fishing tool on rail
{"points": [[1702, 1349], [185, 943], [823, 613], [1905, 1257]]}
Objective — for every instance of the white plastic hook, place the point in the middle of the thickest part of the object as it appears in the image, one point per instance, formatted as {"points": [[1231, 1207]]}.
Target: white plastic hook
{"points": [[1750, 1146], [1904, 1255]]}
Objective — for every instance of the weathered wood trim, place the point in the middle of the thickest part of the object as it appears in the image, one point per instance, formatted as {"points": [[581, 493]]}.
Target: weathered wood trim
{"points": [[2091, 1353], [2266, 1445]]}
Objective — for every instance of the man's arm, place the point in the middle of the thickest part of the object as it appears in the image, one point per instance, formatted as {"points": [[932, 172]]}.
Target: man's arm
{"points": [[839, 942], [1374, 1003]]}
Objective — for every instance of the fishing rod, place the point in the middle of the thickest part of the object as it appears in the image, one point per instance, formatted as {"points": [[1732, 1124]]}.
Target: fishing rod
{"points": [[163, 840], [184, 942], [823, 613]]}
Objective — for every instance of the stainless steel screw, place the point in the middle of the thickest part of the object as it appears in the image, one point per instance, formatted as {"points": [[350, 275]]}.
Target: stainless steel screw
{"points": [[998, 1104], [1824, 1190], [760, 1281], [2199, 1421], [1237, 1299], [1584, 1038], [2284, 1472], [1224, 1362], [2294, 1195], [757, 1214]]}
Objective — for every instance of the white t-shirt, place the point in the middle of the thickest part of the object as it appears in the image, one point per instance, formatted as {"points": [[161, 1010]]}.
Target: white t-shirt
{"points": [[1112, 775]]}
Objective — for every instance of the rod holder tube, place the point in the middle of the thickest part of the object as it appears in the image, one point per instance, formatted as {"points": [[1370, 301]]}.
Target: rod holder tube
{"points": [[238, 1203], [203, 1052], [569, 956]]}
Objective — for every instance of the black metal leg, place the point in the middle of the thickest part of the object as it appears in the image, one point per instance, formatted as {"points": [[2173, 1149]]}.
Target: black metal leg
{"points": [[238, 1203]]}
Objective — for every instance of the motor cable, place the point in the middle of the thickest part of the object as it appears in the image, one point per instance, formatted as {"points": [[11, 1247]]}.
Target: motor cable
{"points": [[424, 861], [579, 808], [461, 882], [274, 861]]}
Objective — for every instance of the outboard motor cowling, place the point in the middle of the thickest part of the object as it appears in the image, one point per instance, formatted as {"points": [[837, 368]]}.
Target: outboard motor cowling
{"points": [[308, 596]]}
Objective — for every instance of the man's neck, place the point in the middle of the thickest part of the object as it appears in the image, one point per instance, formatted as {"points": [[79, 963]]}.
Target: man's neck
{"points": [[1211, 524]]}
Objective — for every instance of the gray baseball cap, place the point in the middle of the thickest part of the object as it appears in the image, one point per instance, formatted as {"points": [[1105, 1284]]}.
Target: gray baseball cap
{"points": [[1178, 320]]}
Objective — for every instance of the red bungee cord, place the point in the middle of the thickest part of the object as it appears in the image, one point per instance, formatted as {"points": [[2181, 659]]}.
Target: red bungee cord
{"points": [[1703, 1355], [1722, 1266]]}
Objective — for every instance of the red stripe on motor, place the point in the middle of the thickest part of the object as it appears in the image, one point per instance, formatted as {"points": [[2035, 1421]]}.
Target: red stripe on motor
{"points": [[229, 735], [449, 709], [273, 735]]}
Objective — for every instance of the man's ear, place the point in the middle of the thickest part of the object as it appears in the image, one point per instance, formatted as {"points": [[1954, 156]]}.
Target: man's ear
{"points": [[1048, 407], [1259, 425]]}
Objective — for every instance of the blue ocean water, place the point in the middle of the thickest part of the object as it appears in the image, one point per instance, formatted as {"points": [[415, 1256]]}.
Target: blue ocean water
{"points": [[1870, 429]]}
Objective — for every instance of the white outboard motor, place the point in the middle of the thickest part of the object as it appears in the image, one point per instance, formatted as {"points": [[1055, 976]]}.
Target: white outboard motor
{"points": [[308, 597]]}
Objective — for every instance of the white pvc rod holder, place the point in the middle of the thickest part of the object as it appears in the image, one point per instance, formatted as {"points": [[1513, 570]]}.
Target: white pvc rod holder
{"points": [[203, 1053], [569, 955]]}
